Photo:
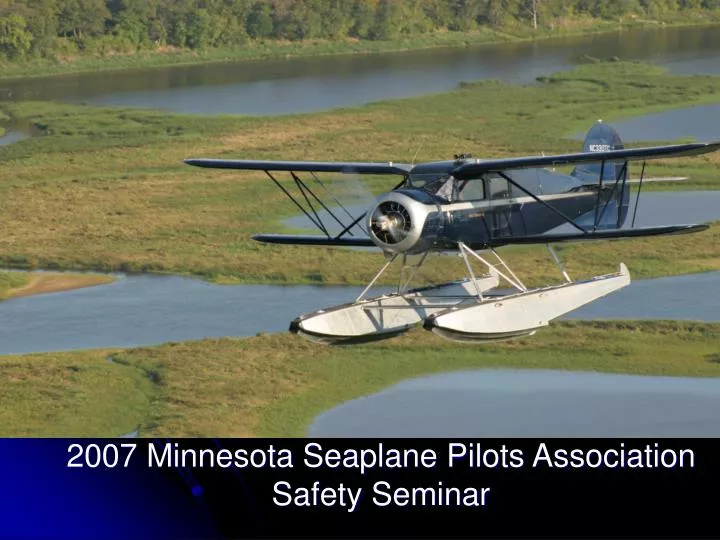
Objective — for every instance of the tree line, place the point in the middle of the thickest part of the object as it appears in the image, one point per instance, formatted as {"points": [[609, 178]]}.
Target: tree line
{"points": [[51, 28]]}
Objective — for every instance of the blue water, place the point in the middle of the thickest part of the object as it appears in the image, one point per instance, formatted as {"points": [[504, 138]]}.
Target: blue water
{"points": [[148, 310], [531, 403], [698, 123]]}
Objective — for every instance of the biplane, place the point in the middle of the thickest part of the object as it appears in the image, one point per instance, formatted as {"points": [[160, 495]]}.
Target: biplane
{"points": [[471, 207]]}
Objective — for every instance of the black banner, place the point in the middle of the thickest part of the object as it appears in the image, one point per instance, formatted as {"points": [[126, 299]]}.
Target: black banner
{"points": [[327, 488]]}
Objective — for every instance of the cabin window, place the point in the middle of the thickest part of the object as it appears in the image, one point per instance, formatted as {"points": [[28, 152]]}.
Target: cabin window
{"points": [[499, 188], [487, 187], [473, 190]]}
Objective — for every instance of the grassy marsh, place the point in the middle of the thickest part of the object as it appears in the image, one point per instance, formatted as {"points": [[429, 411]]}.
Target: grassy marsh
{"points": [[106, 188], [274, 385]]}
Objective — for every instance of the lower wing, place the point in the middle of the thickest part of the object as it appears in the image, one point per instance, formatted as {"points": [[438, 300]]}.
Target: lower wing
{"points": [[608, 234]]}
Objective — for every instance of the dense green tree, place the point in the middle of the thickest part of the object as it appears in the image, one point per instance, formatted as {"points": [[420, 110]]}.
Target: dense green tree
{"points": [[260, 21], [132, 19], [59, 27], [82, 19], [388, 20], [363, 15], [439, 12], [690, 4], [15, 40], [465, 14], [337, 18]]}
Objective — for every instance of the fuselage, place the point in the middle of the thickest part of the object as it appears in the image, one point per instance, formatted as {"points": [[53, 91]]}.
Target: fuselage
{"points": [[433, 211]]}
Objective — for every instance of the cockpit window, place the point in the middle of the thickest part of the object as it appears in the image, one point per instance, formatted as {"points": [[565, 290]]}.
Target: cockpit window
{"points": [[440, 184], [420, 180]]}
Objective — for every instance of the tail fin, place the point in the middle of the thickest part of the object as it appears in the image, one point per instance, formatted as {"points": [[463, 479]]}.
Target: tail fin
{"points": [[599, 138], [602, 137]]}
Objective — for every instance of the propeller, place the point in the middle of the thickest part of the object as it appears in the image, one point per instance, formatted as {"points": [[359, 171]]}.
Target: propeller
{"points": [[390, 222]]}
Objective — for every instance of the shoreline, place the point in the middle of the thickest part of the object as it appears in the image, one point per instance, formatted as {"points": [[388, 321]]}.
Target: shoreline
{"points": [[258, 51], [43, 282]]}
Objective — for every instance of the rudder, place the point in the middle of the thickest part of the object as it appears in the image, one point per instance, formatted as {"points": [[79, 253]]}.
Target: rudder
{"points": [[601, 138]]}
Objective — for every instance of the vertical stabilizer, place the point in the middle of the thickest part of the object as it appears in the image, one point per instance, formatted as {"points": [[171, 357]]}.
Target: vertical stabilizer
{"points": [[602, 137]]}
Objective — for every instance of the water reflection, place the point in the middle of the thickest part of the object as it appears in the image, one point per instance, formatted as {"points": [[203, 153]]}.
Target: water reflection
{"points": [[531, 403], [298, 85]]}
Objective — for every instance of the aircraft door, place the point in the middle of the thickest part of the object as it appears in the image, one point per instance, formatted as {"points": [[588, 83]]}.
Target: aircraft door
{"points": [[504, 216]]}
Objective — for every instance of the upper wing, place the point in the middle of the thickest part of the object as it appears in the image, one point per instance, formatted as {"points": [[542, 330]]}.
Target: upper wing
{"points": [[309, 166], [473, 169], [465, 171]]}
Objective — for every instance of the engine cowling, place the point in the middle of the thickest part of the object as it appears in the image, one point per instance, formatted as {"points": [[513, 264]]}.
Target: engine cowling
{"points": [[402, 224]]}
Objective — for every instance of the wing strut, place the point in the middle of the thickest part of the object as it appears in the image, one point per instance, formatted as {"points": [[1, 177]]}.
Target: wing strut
{"points": [[637, 199], [311, 213], [598, 213], [361, 216], [302, 185], [623, 173], [355, 222], [597, 204], [289, 195], [334, 198], [310, 197], [544, 203]]}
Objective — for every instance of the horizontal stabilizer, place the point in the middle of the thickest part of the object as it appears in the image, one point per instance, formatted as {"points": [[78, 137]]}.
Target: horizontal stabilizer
{"points": [[309, 240], [346, 167], [608, 234], [474, 169]]}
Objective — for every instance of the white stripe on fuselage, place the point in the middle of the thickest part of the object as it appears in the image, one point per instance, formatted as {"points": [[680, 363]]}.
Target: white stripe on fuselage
{"points": [[484, 203]]}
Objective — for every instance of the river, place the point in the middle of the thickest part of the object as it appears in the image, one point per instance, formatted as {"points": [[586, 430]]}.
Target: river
{"points": [[490, 403], [300, 85], [698, 122], [150, 310]]}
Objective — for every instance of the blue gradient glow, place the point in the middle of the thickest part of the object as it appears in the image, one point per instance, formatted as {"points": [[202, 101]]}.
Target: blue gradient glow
{"points": [[43, 498]]}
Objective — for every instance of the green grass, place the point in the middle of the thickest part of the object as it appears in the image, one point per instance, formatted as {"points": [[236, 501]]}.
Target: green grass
{"points": [[3, 118], [106, 188], [74, 394], [12, 280], [274, 385], [268, 49]]}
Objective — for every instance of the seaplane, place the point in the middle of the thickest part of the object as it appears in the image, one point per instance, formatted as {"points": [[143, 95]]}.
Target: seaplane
{"points": [[470, 208]]}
